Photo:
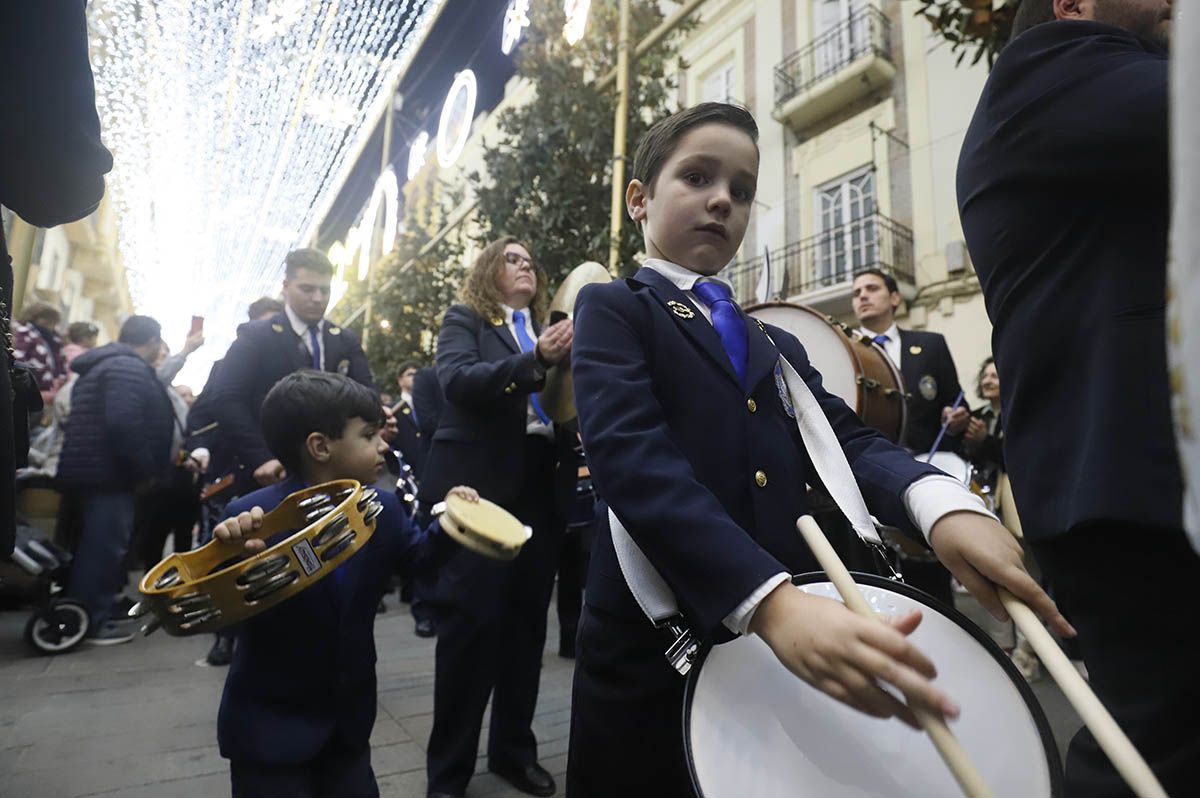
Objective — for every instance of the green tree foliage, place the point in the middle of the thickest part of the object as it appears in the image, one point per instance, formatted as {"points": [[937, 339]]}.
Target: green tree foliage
{"points": [[548, 180], [412, 290], [979, 28]]}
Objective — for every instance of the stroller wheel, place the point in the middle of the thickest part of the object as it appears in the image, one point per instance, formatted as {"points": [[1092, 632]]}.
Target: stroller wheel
{"points": [[58, 627]]}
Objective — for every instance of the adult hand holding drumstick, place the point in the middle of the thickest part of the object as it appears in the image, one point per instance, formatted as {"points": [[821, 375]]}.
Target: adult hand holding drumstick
{"points": [[847, 656]]}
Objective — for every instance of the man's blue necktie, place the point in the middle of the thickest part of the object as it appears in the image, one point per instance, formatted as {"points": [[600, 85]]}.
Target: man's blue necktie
{"points": [[314, 340], [881, 339], [728, 322], [527, 345]]}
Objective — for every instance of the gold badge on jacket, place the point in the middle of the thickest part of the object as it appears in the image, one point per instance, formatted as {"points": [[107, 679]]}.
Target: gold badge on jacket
{"points": [[335, 330], [914, 350], [681, 310], [277, 328], [927, 385]]}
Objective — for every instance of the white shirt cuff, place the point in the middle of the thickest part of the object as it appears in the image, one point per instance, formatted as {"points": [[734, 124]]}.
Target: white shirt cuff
{"points": [[931, 497], [738, 621]]}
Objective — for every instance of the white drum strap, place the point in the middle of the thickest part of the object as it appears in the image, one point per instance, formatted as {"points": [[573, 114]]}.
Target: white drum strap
{"points": [[646, 583]]}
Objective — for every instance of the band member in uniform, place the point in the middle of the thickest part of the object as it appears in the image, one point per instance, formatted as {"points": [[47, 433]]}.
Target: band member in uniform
{"points": [[427, 403], [1064, 192], [492, 358], [266, 351], [299, 701], [691, 447], [931, 381], [409, 440]]}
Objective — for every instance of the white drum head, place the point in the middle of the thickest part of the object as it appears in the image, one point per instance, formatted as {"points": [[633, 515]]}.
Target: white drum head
{"points": [[754, 730], [825, 346], [949, 462]]}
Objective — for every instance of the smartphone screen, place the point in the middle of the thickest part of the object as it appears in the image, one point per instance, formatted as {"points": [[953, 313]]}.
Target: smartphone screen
{"points": [[197, 325], [556, 316]]}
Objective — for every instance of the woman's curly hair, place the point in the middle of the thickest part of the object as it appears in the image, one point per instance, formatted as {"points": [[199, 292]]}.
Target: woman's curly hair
{"points": [[480, 291]]}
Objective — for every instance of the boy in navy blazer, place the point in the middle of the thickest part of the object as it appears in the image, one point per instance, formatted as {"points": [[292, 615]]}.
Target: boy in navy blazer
{"points": [[692, 448], [299, 702]]}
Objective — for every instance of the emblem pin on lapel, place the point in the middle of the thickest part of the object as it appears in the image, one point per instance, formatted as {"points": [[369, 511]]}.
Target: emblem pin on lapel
{"points": [[914, 350], [277, 328], [681, 310]]}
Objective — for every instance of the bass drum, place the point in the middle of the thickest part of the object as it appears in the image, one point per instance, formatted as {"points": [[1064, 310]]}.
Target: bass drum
{"points": [[853, 368], [752, 729]]}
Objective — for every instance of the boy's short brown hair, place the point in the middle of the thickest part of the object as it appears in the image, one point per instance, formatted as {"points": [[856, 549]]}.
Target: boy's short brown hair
{"points": [[663, 136]]}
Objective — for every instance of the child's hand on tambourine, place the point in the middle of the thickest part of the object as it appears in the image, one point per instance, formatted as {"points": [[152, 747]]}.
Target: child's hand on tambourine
{"points": [[463, 492], [235, 529]]}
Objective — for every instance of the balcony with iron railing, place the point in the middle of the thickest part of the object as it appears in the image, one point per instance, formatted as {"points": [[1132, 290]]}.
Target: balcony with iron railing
{"points": [[838, 67], [820, 269]]}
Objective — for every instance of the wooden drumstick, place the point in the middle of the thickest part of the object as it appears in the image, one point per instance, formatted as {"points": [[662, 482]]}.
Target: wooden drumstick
{"points": [[947, 745], [1120, 750]]}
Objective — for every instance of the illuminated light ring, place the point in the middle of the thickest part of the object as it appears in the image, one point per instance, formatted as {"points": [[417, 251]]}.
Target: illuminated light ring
{"points": [[447, 154], [516, 20], [577, 16], [387, 191]]}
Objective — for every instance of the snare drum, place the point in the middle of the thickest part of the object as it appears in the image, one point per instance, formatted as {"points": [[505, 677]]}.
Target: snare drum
{"points": [[752, 729], [857, 370]]}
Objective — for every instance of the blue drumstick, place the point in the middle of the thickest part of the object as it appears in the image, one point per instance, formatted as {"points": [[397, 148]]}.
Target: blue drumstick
{"points": [[938, 440]]}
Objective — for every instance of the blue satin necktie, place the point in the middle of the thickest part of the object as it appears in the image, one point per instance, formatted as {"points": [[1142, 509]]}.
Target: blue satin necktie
{"points": [[881, 339], [314, 340], [527, 345], [727, 320]]}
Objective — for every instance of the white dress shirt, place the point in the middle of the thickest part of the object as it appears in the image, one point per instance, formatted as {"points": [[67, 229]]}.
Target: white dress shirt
{"points": [[301, 329], [926, 501], [533, 423], [892, 345]]}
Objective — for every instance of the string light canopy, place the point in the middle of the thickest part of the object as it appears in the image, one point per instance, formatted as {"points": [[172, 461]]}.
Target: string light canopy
{"points": [[233, 123]]}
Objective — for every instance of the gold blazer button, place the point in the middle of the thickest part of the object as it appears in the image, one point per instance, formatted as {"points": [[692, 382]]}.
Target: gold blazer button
{"points": [[760, 478]]}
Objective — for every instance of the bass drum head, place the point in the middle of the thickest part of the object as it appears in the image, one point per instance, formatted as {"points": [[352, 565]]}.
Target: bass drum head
{"points": [[752, 729], [825, 345]]}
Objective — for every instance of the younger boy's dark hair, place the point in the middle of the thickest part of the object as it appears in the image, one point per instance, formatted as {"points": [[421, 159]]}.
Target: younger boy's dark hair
{"points": [[312, 259], [663, 136], [888, 280], [405, 366], [311, 401]]}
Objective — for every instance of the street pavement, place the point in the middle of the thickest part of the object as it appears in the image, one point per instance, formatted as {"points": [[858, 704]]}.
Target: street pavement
{"points": [[139, 720]]}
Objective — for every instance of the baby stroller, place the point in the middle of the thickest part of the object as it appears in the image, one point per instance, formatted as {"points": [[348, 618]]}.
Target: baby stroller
{"points": [[38, 573]]}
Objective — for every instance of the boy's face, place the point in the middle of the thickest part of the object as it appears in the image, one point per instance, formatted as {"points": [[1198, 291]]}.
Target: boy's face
{"points": [[701, 199], [358, 454]]}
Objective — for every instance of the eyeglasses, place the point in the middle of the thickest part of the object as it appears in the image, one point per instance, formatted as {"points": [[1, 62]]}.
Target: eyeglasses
{"points": [[516, 259]]}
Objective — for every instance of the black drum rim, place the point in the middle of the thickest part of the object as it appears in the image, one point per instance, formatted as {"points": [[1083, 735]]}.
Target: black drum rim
{"points": [[1050, 748]]}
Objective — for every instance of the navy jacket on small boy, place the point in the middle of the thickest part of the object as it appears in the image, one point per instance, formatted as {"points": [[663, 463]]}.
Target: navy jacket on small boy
{"points": [[303, 672]]}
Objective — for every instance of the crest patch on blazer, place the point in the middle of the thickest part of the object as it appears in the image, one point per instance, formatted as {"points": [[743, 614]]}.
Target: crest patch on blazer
{"points": [[928, 387]]}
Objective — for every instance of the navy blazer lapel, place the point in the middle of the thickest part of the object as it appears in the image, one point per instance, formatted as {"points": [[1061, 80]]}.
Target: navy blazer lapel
{"points": [[687, 318], [763, 355], [296, 350], [909, 365], [500, 328]]}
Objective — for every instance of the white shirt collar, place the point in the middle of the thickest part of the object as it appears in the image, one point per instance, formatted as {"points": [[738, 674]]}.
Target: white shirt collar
{"points": [[681, 277], [893, 332], [508, 314], [298, 324]]}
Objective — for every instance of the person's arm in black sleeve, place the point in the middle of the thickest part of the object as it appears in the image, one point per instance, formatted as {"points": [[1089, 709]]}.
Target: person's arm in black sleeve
{"points": [[231, 399], [468, 380], [52, 164]]}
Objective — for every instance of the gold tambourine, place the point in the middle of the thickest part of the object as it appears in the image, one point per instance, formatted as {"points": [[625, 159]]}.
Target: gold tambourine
{"points": [[558, 396], [218, 584], [483, 527]]}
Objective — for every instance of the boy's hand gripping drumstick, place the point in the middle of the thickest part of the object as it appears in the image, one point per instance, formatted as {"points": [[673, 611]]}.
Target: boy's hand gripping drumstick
{"points": [[951, 751], [1120, 750]]}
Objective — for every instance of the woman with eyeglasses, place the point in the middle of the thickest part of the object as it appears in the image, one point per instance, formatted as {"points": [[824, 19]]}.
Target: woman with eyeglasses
{"points": [[492, 355]]}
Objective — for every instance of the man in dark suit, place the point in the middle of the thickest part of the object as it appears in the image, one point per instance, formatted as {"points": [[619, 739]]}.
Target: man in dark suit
{"points": [[931, 382], [428, 401], [1063, 187], [492, 358], [266, 351], [426, 404]]}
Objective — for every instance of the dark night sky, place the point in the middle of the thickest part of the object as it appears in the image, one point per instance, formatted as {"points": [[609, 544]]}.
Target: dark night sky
{"points": [[467, 34]]}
